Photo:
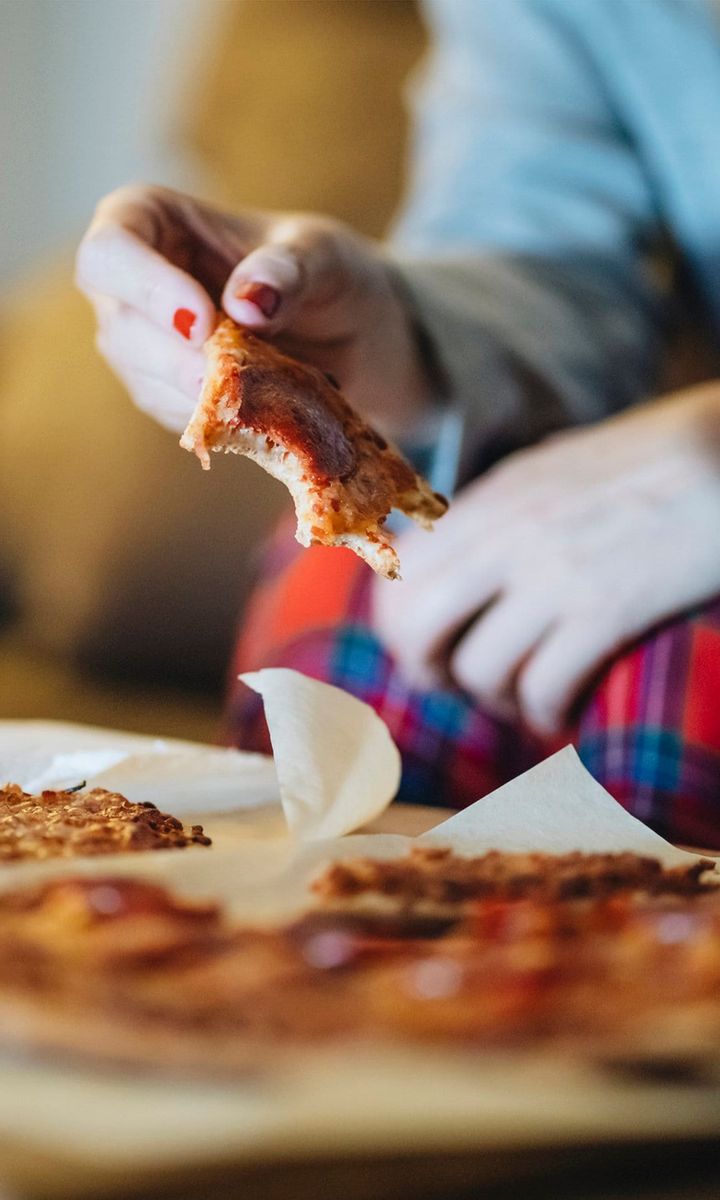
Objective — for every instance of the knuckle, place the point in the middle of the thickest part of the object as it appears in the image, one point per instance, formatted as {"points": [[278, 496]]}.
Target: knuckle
{"points": [[470, 672], [312, 236], [86, 261], [150, 193], [325, 243], [464, 670], [543, 700], [133, 195], [533, 692], [97, 256]]}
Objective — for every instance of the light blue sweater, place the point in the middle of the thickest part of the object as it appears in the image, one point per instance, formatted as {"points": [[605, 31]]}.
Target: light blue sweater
{"points": [[567, 173]]}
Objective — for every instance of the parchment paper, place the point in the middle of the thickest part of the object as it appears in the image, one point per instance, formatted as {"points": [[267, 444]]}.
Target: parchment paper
{"points": [[337, 765], [180, 775], [106, 1129], [557, 807], [334, 764]]}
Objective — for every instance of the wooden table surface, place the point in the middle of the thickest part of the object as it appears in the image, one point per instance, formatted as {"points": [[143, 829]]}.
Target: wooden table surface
{"points": [[408, 819], [687, 1171]]}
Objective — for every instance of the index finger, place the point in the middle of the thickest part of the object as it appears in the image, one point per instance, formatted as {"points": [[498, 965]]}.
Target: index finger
{"points": [[117, 258]]}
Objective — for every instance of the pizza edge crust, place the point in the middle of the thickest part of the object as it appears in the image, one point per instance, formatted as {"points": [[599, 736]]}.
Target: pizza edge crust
{"points": [[89, 822]]}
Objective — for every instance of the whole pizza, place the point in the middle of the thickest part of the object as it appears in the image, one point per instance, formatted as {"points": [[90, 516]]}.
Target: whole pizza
{"points": [[605, 956]]}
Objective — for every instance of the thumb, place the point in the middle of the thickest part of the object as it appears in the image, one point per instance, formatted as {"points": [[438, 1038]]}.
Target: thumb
{"points": [[269, 286]]}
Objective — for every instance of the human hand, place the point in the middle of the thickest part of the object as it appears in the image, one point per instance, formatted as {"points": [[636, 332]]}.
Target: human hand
{"points": [[545, 567], [156, 265]]}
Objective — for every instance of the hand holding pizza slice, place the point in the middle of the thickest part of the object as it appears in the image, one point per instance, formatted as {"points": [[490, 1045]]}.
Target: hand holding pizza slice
{"points": [[290, 418], [157, 266]]}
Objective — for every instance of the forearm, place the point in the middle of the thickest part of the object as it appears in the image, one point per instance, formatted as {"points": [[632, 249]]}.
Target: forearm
{"points": [[518, 348], [527, 245]]}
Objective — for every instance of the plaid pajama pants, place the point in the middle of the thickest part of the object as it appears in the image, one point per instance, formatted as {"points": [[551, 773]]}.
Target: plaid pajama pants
{"points": [[649, 732]]}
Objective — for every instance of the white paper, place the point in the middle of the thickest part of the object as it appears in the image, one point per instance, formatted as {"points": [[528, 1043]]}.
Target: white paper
{"points": [[556, 807], [337, 765], [28, 748], [183, 777], [67, 770]]}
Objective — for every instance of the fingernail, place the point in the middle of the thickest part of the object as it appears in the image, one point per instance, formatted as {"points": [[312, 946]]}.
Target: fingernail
{"points": [[183, 321], [262, 295]]}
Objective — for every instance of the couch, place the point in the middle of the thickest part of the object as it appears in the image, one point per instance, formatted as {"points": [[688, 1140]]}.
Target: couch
{"points": [[123, 567]]}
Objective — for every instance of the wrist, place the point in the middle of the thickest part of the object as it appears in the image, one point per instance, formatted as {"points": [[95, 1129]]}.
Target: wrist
{"points": [[419, 389]]}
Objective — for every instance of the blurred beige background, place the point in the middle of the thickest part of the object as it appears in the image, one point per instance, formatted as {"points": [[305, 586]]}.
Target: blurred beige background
{"points": [[122, 566]]}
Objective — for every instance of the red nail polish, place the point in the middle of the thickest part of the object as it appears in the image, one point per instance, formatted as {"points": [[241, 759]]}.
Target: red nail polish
{"points": [[262, 295], [183, 321]]}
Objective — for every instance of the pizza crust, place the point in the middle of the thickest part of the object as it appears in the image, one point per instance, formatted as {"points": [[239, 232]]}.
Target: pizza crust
{"points": [[78, 822], [343, 476]]}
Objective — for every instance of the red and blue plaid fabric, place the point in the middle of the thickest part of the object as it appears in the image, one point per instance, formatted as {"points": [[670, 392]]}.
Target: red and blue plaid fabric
{"points": [[649, 732]]}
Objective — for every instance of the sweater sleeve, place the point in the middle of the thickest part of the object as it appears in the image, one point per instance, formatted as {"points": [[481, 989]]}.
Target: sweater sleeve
{"points": [[530, 245]]}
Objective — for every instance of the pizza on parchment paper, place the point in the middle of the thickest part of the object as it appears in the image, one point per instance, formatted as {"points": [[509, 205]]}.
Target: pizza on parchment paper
{"points": [[433, 880], [621, 960], [66, 824], [287, 416], [120, 970]]}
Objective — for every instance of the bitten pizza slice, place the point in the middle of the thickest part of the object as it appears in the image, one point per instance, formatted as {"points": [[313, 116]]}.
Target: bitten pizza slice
{"points": [[287, 416]]}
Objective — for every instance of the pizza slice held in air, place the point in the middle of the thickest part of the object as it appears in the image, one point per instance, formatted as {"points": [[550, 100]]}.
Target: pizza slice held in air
{"points": [[287, 416]]}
